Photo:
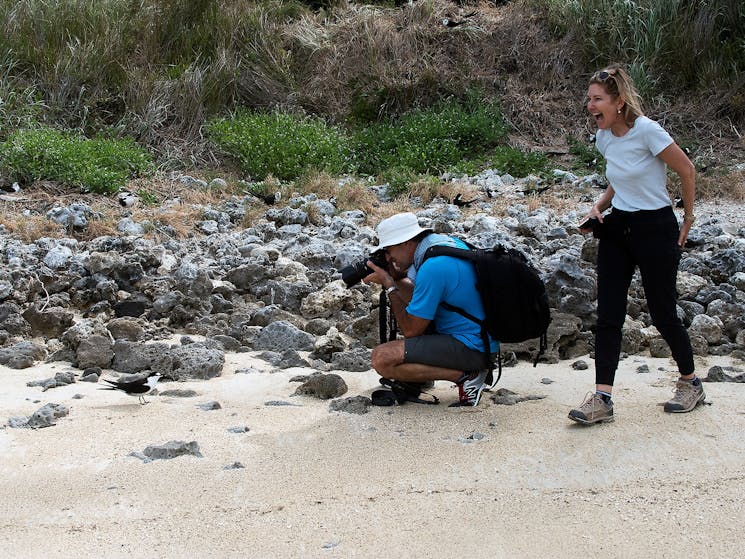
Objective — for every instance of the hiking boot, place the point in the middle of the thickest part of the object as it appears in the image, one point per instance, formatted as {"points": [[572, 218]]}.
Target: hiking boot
{"points": [[687, 396], [470, 387], [593, 410]]}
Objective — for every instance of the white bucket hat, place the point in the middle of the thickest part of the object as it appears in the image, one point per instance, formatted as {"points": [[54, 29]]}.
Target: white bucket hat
{"points": [[397, 229]]}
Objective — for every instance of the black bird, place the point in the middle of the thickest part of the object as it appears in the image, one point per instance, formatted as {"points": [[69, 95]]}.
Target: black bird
{"points": [[127, 199], [136, 387], [268, 199], [462, 203], [537, 190]]}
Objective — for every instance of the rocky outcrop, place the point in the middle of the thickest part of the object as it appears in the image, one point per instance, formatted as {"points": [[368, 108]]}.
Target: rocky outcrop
{"points": [[116, 302]]}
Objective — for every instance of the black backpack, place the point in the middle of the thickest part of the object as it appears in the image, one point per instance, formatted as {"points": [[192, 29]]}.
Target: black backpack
{"points": [[512, 292]]}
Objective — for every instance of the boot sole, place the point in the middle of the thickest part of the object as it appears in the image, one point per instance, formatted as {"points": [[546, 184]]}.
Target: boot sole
{"points": [[607, 419], [698, 403]]}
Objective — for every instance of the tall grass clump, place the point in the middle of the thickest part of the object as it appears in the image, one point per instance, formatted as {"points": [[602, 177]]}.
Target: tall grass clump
{"points": [[431, 139], [668, 44], [152, 69], [280, 144], [99, 165]]}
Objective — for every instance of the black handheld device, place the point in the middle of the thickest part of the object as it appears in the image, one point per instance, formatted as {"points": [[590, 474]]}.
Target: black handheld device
{"points": [[590, 223]]}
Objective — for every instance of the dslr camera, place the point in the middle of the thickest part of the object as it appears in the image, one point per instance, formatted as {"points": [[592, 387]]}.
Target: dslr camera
{"points": [[354, 273]]}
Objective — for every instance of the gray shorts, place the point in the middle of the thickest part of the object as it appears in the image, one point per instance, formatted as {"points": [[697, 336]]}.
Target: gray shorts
{"points": [[440, 350]]}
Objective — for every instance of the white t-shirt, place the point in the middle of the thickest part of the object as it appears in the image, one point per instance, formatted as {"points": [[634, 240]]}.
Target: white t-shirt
{"points": [[633, 169]]}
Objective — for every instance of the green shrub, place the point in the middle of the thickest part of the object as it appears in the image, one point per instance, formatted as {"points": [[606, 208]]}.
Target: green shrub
{"points": [[147, 198], [519, 163], [430, 140], [283, 145], [398, 179], [586, 156], [98, 165]]}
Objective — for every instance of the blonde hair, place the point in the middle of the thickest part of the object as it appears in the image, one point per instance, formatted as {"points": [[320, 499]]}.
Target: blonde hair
{"points": [[617, 83]]}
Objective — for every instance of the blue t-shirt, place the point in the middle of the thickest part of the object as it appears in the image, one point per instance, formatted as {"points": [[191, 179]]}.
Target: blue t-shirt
{"points": [[452, 280]]}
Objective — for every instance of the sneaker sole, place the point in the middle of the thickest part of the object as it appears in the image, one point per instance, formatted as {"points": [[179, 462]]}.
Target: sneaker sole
{"points": [[606, 419], [698, 402]]}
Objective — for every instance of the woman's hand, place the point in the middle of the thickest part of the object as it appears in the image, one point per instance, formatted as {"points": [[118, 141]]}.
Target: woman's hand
{"points": [[684, 230], [591, 219]]}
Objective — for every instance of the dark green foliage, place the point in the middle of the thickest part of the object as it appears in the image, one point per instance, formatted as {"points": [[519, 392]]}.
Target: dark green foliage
{"points": [[430, 140], [398, 179], [97, 165], [519, 163], [586, 156], [147, 198], [283, 145], [420, 142]]}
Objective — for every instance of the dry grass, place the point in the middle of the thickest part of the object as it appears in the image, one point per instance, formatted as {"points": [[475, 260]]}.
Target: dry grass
{"points": [[397, 56], [30, 228], [349, 194], [178, 207], [730, 186]]}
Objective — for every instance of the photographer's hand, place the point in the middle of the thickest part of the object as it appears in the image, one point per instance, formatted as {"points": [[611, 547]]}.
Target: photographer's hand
{"points": [[404, 286], [379, 276]]}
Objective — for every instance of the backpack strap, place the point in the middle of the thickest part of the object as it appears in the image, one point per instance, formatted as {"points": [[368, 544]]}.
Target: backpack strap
{"points": [[469, 254]]}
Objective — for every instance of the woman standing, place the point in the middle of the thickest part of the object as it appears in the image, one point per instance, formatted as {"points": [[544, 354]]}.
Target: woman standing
{"points": [[640, 231]]}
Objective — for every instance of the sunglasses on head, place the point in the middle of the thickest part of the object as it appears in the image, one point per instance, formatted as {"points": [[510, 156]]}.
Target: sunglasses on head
{"points": [[603, 75]]}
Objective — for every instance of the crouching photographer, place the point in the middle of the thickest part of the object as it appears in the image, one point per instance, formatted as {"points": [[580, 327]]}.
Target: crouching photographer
{"points": [[417, 289]]}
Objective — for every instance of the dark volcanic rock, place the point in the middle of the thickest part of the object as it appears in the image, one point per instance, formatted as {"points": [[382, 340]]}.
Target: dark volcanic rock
{"points": [[49, 323]]}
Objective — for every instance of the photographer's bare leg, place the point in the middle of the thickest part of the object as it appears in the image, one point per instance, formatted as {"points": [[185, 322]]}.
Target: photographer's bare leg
{"points": [[388, 361]]}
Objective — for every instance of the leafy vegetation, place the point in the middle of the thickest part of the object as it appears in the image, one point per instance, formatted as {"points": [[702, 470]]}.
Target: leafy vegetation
{"points": [[430, 140], [163, 72], [98, 165], [586, 156], [519, 163], [420, 142], [280, 144]]}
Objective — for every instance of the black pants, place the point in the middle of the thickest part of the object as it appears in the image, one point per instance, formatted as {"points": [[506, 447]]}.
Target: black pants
{"points": [[647, 239]]}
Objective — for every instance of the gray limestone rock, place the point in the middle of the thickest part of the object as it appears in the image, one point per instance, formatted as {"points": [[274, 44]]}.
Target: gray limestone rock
{"points": [[43, 417], [172, 449], [281, 334], [355, 404], [323, 386], [22, 355]]}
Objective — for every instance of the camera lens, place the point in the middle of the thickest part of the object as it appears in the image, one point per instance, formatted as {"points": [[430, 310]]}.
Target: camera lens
{"points": [[355, 273]]}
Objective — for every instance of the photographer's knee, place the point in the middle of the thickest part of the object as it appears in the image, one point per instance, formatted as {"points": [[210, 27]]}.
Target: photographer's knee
{"points": [[386, 356]]}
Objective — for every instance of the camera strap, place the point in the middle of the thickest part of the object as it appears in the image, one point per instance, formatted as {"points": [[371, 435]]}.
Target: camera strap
{"points": [[387, 325]]}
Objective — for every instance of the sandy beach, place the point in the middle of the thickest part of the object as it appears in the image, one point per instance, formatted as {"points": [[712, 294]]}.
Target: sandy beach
{"points": [[405, 481]]}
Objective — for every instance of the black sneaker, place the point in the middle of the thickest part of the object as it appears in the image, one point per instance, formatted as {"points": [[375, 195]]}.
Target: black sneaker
{"points": [[409, 391]]}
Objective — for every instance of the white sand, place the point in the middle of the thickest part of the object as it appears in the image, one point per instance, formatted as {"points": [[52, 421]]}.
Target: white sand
{"points": [[396, 482]]}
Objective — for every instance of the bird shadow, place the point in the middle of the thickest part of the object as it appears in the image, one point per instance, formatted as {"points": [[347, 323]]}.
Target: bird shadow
{"points": [[121, 407]]}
